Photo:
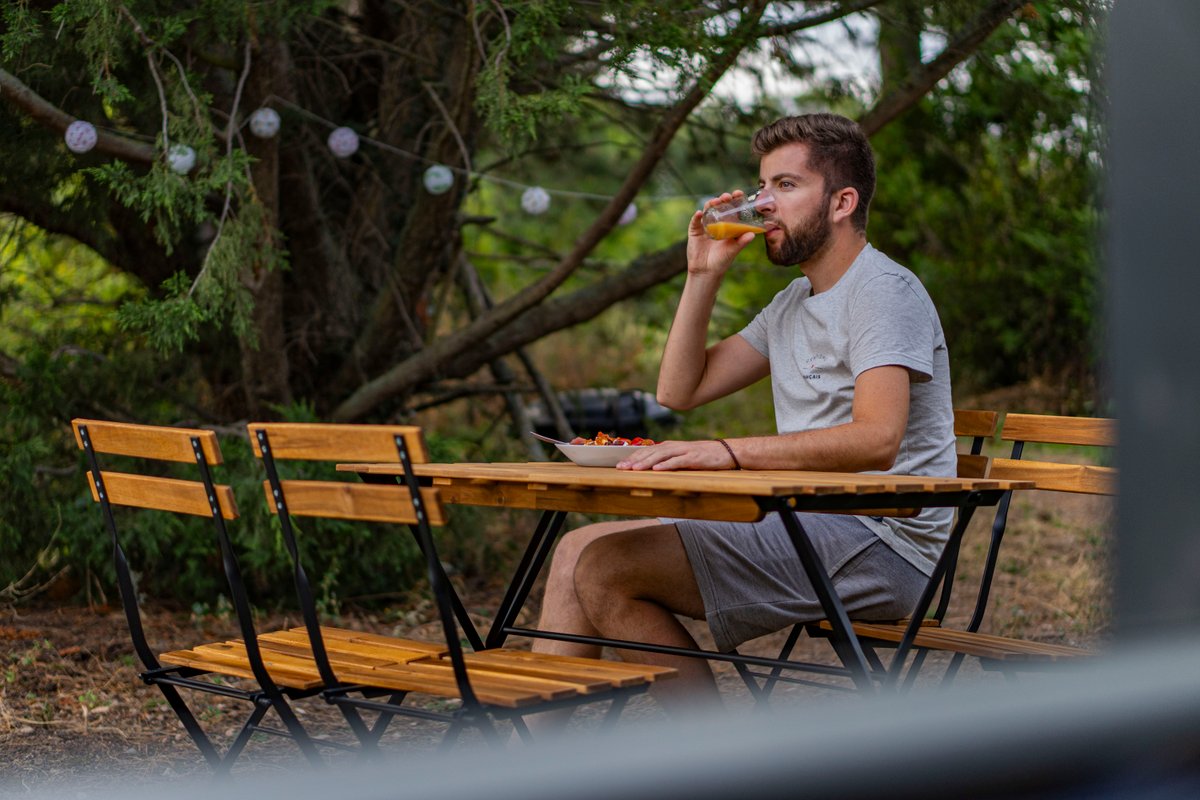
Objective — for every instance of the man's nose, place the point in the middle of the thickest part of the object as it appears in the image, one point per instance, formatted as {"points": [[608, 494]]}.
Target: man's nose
{"points": [[764, 201]]}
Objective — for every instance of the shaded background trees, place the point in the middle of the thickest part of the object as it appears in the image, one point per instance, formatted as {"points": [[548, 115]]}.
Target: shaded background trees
{"points": [[276, 279]]}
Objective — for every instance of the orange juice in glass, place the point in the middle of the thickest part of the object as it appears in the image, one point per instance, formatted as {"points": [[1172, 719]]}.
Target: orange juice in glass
{"points": [[738, 216]]}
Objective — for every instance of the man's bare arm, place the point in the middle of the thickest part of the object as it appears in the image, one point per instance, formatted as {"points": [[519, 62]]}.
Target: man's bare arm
{"points": [[870, 441], [692, 374]]}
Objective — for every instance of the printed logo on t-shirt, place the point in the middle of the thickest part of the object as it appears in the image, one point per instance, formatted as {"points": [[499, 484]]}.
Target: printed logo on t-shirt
{"points": [[815, 363]]}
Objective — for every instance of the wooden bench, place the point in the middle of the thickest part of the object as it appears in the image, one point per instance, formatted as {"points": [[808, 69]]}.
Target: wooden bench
{"points": [[1009, 654]]}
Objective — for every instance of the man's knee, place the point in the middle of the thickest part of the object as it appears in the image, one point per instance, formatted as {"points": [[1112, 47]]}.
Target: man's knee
{"points": [[599, 575], [568, 549], [572, 544]]}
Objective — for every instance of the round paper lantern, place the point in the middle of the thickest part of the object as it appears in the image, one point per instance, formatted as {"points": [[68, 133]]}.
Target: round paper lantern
{"points": [[438, 179], [628, 215], [535, 200], [264, 123], [181, 158], [343, 142], [80, 136]]}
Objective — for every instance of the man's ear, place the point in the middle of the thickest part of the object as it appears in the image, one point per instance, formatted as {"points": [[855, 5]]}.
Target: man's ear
{"points": [[843, 203]]}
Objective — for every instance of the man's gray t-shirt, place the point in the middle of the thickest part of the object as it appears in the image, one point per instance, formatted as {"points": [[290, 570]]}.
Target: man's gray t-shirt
{"points": [[878, 314]]}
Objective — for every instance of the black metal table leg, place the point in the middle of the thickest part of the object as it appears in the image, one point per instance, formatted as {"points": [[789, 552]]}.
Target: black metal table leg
{"points": [[844, 640], [535, 554]]}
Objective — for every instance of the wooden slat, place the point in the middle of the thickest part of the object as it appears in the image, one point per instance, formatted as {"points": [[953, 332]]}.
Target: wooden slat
{"points": [[164, 494], [483, 675], [399, 651], [267, 643], [378, 640], [440, 682], [1079, 478], [148, 441], [970, 466], [981, 645], [330, 442], [616, 673], [751, 483], [230, 659], [357, 501], [975, 423], [600, 501], [1049, 429]]}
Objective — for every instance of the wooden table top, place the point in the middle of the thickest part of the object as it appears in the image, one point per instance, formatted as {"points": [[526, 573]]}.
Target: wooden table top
{"points": [[697, 494]]}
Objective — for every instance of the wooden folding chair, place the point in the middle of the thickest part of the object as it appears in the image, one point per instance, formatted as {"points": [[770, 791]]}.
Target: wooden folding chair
{"points": [[977, 427], [355, 669], [1006, 654], [174, 670], [1021, 429]]}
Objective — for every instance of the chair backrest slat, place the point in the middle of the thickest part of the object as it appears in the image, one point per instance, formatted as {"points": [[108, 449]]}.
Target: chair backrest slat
{"points": [[357, 501], [1046, 429], [329, 442], [1057, 477], [975, 423], [974, 466], [147, 441], [163, 494]]}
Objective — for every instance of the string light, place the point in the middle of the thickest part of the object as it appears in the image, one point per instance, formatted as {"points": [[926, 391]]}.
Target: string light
{"points": [[80, 136], [535, 200], [264, 123], [181, 158], [438, 179], [343, 142]]}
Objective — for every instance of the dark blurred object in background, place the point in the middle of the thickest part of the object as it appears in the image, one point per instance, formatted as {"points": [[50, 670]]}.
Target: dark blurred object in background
{"points": [[621, 412]]}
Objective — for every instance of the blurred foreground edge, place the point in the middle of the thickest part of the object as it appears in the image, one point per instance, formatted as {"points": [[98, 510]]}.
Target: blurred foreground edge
{"points": [[1128, 727]]}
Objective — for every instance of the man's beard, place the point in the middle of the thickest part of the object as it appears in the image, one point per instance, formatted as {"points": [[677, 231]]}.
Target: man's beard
{"points": [[801, 243]]}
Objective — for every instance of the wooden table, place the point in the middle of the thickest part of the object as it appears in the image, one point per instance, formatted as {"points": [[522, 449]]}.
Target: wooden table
{"points": [[737, 496]]}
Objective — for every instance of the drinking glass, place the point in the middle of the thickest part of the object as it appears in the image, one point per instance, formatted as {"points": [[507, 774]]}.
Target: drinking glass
{"points": [[738, 216]]}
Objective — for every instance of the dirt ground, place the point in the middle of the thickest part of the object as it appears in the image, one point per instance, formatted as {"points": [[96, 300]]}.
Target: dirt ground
{"points": [[74, 714]]}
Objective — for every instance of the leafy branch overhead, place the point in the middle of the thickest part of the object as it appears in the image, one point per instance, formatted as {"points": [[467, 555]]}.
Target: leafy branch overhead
{"points": [[287, 271]]}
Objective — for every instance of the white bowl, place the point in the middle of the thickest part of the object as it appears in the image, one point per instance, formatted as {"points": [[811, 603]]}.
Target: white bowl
{"points": [[596, 455]]}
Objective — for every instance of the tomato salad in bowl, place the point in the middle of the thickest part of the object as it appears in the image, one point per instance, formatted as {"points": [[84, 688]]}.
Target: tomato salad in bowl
{"points": [[601, 451]]}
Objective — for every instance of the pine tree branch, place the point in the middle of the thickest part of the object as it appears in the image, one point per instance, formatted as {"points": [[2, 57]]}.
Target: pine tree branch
{"points": [[47, 114]]}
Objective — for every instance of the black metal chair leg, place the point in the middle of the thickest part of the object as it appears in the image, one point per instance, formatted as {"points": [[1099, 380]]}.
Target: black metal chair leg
{"points": [[952, 669], [384, 719], [614, 711], [910, 677], [243, 738], [197, 734], [784, 652], [522, 730], [299, 735], [360, 729], [452, 734]]}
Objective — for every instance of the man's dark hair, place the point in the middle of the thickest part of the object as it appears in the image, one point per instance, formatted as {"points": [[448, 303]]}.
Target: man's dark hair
{"points": [[837, 149]]}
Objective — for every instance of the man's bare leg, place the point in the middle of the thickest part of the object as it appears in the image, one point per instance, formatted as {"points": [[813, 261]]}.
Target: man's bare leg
{"points": [[561, 610], [631, 584]]}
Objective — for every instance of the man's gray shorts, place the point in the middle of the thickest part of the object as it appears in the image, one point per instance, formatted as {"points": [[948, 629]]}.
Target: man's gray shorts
{"points": [[753, 583]]}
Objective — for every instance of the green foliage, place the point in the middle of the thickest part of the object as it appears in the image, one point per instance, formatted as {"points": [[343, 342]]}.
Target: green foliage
{"points": [[173, 321], [989, 190], [64, 359]]}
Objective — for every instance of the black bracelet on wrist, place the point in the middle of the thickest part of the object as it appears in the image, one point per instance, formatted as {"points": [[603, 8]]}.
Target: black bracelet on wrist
{"points": [[736, 464]]}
